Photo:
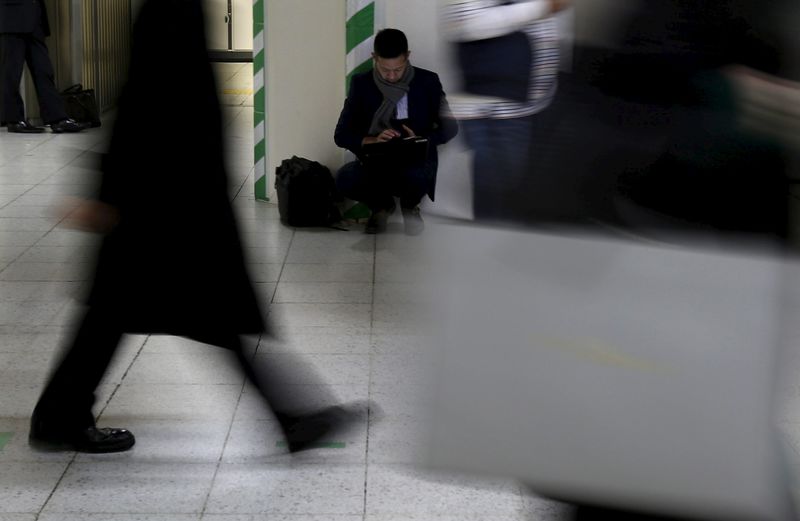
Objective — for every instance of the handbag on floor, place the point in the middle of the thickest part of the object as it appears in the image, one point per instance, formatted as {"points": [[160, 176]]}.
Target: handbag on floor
{"points": [[306, 193], [81, 105]]}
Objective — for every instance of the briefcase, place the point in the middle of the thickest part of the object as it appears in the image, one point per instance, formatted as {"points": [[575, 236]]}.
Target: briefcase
{"points": [[81, 105]]}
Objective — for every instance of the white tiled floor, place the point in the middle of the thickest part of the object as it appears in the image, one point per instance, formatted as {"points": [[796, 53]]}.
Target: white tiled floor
{"points": [[207, 448], [235, 83]]}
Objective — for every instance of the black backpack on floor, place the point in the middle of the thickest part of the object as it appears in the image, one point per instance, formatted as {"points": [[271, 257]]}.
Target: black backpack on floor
{"points": [[306, 193]]}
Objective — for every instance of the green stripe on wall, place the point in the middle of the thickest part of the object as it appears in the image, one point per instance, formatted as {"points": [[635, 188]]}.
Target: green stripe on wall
{"points": [[258, 61], [360, 26], [261, 188], [261, 149], [260, 104], [259, 100]]}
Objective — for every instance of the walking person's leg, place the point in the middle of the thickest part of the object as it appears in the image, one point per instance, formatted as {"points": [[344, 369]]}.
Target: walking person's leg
{"points": [[511, 142], [501, 166], [63, 418], [307, 412], [486, 194]]}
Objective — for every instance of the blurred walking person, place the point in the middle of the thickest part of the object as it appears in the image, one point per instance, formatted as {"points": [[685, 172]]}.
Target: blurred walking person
{"points": [[508, 53], [171, 261]]}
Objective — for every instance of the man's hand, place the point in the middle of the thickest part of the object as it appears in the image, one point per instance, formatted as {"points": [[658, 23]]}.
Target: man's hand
{"points": [[88, 215], [767, 105], [409, 131], [383, 137]]}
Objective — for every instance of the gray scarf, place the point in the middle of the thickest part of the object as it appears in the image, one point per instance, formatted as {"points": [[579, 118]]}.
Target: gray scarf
{"points": [[392, 94]]}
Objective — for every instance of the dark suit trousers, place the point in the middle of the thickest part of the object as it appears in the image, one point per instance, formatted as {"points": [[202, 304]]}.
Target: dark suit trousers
{"points": [[376, 187], [501, 167], [17, 50], [67, 401]]}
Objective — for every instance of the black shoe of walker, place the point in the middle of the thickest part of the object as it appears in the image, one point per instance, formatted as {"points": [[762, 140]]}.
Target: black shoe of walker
{"points": [[91, 439], [306, 431], [24, 127], [67, 125]]}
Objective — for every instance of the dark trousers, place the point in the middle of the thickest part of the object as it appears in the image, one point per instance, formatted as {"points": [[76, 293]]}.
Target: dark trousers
{"points": [[501, 167], [67, 401], [376, 186], [18, 49]]}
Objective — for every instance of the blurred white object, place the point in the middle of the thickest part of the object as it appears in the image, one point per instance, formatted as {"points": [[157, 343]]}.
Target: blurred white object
{"points": [[767, 105], [611, 372]]}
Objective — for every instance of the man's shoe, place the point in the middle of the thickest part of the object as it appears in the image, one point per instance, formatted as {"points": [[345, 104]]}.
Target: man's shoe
{"points": [[413, 221], [91, 439], [377, 222], [24, 127], [67, 125], [304, 432]]}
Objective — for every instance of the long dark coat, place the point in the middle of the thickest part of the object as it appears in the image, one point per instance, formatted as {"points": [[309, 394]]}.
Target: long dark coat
{"points": [[19, 17], [174, 263]]}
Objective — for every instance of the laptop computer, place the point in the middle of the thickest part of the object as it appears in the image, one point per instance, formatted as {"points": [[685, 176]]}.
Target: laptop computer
{"points": [[408, 151]]}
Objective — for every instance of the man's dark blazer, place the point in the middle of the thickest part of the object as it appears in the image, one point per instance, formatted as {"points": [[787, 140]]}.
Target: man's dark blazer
{"points": [[19, 17], [427, 112]]}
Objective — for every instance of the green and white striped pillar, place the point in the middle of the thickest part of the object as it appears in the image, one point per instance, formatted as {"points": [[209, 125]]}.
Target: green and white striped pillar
{"points": [[260, 99], [362, 23], [361, 26]]}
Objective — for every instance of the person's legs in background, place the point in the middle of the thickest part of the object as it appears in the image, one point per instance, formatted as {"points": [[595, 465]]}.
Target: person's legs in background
{"points": [[41, 67], [12, 62], [50, 102]]}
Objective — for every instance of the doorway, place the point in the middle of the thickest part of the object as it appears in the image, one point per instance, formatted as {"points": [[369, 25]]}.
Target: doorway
{"points": [[230, 42]]}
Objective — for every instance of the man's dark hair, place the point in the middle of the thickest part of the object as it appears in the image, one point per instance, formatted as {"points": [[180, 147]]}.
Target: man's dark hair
{"points": [[390, 43]]}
